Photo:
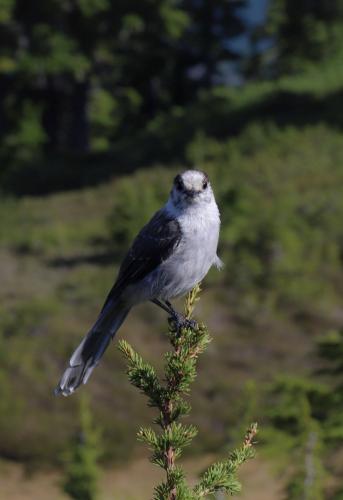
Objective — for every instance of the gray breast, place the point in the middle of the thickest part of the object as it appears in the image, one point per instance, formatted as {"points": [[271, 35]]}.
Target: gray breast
{"points": [[191, 260]]}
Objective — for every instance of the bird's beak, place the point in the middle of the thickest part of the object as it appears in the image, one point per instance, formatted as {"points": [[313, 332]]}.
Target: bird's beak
{"points": [[191, 193]]}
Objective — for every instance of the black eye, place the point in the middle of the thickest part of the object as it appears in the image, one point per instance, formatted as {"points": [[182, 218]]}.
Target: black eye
{"points": [[178, 183], [204, 184]]}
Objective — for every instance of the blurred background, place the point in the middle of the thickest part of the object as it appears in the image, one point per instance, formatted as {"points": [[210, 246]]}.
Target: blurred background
{"points": [[102, 102]]}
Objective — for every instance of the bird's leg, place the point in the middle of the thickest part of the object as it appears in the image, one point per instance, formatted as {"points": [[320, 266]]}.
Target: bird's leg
{"points": [[163, 306], [174, 316], [179, 319]]}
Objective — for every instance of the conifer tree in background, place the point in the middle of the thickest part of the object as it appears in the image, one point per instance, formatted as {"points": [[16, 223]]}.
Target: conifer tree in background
{"points": [[304, 31], [206, 48], [294, 415], [308, 414], [330, 350], [73, 75], [81, 470], [168, 398]]}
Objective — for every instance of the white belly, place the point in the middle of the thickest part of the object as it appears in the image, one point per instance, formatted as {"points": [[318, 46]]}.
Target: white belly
{"points": [[192, 259]]}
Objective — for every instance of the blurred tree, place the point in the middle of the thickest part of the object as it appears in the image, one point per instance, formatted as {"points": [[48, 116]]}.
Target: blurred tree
{"points": [[206, 45], [90, 70], [305, 30], [295, 413], [330, 350], [255, 65], [81, 472], [310, 413]]}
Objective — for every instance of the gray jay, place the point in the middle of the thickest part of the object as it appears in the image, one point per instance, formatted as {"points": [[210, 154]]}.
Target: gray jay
{"points": [[170, 255]]}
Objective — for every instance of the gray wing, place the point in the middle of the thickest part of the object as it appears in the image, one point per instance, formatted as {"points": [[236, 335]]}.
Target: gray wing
{"points": [[154, 244]]}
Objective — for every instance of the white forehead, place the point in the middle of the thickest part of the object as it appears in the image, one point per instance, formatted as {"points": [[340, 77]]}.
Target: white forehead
{"points": [[193, 179]]}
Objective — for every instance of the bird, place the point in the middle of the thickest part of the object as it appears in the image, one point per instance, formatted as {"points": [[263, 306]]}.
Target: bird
{"points": [[170, 255]]}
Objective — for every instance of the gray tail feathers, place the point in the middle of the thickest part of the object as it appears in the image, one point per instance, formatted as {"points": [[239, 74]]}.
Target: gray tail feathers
{"points": [[88, 354]]}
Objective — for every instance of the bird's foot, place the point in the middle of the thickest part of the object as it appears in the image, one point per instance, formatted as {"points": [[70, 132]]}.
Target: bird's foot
{"points": [[178, 321]]}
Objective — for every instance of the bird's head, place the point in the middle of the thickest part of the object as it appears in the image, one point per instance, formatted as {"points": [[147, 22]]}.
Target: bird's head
{"points": [[190, 188]]}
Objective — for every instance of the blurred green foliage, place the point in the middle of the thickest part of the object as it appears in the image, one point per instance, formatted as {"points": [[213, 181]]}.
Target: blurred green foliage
{"points": [[293, 411], [307, 414], [77, 76], [305, 32], [97, 87], [81, 469]]}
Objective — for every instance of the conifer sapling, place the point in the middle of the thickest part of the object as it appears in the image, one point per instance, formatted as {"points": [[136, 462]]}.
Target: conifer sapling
{"points": [[168, 397]]}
